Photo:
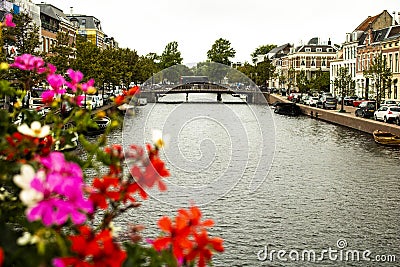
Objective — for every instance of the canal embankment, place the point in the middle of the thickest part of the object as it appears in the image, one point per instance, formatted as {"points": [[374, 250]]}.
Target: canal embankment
{"points": [[347, 119]]}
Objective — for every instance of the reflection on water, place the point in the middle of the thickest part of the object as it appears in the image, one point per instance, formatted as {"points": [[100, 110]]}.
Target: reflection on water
{"points": [[326, 183]]}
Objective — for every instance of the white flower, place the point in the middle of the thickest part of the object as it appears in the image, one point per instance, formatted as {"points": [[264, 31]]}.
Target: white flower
{"points": [[28, 195], [157, 139], [27, 238], [36, 129]]}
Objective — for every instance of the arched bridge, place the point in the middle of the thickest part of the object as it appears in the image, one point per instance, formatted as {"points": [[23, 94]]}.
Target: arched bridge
{"points": [[253, 96]]}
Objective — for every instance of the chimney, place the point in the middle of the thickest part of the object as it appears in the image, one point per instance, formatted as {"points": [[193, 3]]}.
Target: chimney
{"points": [[329, 41], [370, 35], [71, 10], [394, 18]]}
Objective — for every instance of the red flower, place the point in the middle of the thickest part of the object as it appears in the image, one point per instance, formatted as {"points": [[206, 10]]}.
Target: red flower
{"points": [[133, 91], [105, 188], [193, 216], [177, 237], [26, 147], [187, 237], [93, 250], [203, 248], [1, 257]]}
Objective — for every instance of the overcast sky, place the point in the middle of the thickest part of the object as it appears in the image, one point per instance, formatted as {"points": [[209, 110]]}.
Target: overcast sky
{"points": [[148, 25]]}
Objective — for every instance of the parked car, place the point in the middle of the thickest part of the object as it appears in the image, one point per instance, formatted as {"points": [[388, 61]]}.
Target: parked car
{"points": [[304, 99], [366, 109], [348, 100], [312, 101], [327, 102], [387, 113], [389, 103]]}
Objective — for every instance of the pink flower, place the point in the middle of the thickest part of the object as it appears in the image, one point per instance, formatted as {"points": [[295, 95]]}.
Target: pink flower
{"points": [[56, 81], [87, 85], [51, 68], [62, 191], [30, 63], [76, 77], [8, 21], [48, 96]]}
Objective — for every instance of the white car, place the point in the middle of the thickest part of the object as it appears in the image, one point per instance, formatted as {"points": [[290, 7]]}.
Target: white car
{"points": [[389, 102], [312, 101], [387, 113]]}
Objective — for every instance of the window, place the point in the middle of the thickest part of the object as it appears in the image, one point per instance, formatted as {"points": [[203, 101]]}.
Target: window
{"points": [[329, 50], [83, 21], [391, 62], [319, 49], [323, 62], [308, 50], [396, 62], [395, 91], [313, 62], [303, 62]]}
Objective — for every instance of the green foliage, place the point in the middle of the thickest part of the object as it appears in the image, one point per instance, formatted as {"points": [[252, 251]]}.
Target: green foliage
{"points": [[262, 50], [61, 53], [25, 36], [265, 71], [171, 56], [320, 81], [221, 52], [381, 74], [302, 82], [343, 82], [147, 256]]}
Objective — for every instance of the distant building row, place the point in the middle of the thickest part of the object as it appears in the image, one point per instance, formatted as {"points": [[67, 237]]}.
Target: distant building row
{"points": [[52, 20], [375, 35]]}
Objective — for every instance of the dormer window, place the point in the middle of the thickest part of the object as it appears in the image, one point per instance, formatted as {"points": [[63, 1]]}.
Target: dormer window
{"points": [[319, 49], [329, 50], [308, 49]]}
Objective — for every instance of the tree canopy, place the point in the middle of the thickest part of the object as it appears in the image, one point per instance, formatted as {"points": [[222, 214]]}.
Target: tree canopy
{"points": [[221, 52], [262, 50], [171, 56]]}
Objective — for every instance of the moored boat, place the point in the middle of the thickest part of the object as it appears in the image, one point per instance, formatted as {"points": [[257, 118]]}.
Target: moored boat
{"points": [[290, 109], [102, 124], [386, 138]]}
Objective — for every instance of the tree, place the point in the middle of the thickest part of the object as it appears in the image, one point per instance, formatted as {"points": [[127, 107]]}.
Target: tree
{"points": [[381, 75], [221, 52], [25, 36], [61, 53], [262, 50], [88, 59], [343, 82], [302, 82], [171, 56], [320, 81], [265, 71]]}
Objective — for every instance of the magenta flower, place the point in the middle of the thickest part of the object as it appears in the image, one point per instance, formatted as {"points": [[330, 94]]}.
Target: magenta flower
{"points": [[29, 62], [76, 77], [48, 96], [56, 81], [8, 21], [52, 69], [62, 191], [87, 85]]}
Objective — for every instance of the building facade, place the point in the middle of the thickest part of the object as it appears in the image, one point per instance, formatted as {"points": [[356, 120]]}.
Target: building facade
{"points": [[89, 27], [54, 21], [311, 58]]}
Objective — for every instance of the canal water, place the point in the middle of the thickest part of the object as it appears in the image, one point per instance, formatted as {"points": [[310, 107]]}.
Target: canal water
{"points": [[328, 188]]}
